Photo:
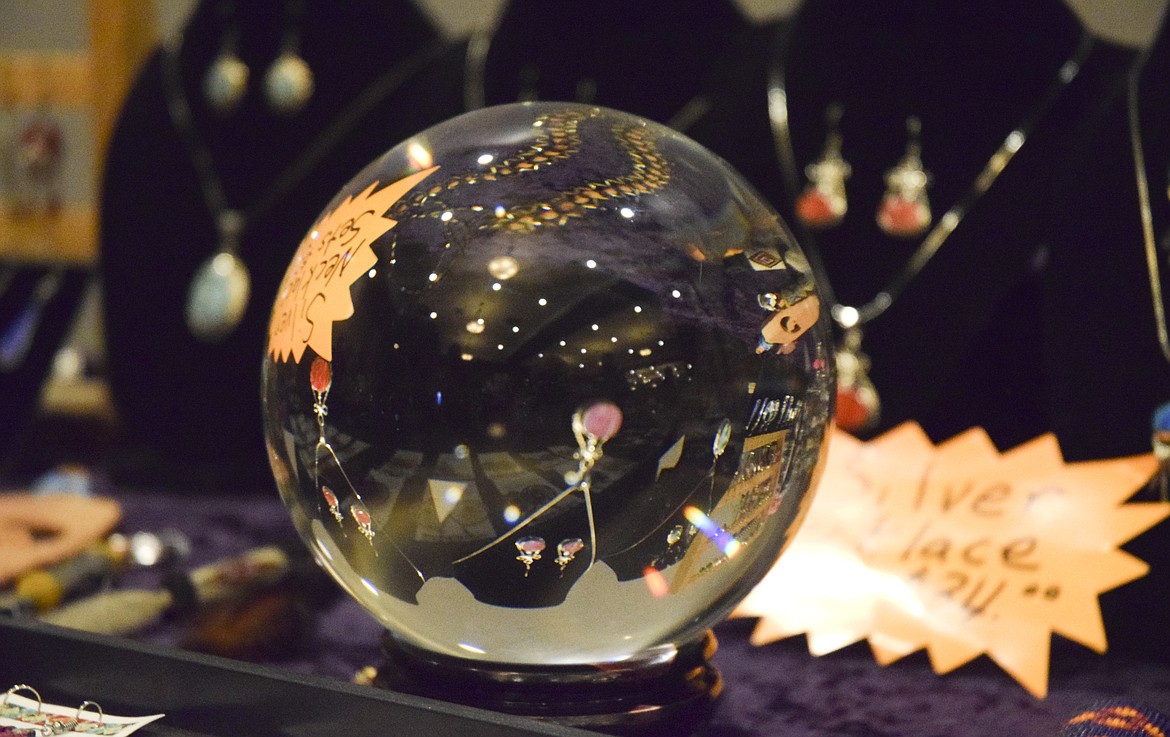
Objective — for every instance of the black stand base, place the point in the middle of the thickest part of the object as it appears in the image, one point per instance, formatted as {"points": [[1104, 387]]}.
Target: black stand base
{"points": [[672, 695]]}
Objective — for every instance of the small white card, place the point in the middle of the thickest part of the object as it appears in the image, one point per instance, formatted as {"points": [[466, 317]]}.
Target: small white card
{"points": [[21, 713]]}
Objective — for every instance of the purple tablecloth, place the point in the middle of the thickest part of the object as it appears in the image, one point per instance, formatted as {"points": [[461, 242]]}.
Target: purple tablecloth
{"points": [[775, 690]]}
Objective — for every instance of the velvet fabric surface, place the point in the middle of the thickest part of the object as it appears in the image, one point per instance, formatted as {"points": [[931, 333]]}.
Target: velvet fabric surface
{"points": [[775, 689]]}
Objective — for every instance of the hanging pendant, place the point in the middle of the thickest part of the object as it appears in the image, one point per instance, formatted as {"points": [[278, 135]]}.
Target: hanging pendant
{"points": [[858, 406], [217, 296], [225, 82], [822, 203], [904, 211], [288, 83]]}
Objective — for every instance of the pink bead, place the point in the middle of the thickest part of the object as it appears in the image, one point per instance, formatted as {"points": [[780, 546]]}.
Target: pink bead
{"points": [[320, 375], [602, 420]]}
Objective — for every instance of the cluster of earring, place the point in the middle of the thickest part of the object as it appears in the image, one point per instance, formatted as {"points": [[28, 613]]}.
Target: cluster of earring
{"points": [[530, 548], [904, 210], [41, 723], [288, 81]]}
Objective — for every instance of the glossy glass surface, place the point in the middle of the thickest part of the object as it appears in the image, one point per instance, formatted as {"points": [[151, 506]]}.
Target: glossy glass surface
{"points": [[580, 401]]}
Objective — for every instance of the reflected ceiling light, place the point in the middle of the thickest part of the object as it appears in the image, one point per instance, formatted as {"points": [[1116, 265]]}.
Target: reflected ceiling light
{"points": [[496, 286], [485, 159], [511, 513], [467, 356], [419, 155], [626, 212], [433, 277], [475, 327], [591, 264], [675, 293], [503, 267], [644, 352]]}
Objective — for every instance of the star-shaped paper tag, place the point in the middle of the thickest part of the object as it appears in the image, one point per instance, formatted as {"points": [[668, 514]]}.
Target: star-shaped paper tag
{"points": [[331, 257], [957, 549]]}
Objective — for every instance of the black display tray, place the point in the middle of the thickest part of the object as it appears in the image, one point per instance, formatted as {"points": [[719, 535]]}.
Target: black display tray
{"points": [[207, 695]]}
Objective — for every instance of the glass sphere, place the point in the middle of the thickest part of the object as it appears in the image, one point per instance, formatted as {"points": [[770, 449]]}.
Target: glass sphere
{"points": [[547, 384]]}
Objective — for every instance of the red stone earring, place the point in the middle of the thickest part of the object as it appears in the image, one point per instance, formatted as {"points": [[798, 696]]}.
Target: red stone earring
{"points": [[904, 211], [822, 204]]}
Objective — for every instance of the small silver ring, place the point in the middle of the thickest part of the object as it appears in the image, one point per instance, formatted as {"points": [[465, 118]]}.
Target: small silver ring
{"points": [[97, 708], [23, 687]]}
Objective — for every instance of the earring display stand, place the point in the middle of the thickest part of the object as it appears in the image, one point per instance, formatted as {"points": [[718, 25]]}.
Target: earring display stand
{"points": [[958, 342], [190, 408]]}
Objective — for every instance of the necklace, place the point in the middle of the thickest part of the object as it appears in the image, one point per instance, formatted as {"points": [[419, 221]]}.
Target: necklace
{"points": [[219, 290], [858, 405], [1160, 431]]}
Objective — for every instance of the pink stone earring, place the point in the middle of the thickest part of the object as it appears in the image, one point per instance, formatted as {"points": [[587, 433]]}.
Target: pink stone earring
{"points": [[822, 203], [904, 211]]}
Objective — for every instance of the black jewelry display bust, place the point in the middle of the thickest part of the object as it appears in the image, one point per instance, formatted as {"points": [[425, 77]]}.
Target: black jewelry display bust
{"points": [[1106, 368], [963, 344], [1108, 373], [190, 408]]}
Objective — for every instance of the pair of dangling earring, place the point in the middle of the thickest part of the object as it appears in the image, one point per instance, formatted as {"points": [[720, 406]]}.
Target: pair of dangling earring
{"points": [[904, 210], [288, 81]]}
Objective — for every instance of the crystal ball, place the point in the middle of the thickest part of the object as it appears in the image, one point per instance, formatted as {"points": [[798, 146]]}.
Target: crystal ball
{"points": [[547, 384]]}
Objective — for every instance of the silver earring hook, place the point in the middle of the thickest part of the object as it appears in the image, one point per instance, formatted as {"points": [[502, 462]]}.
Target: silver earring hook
{"points": [[23, 687], [96, 708]]}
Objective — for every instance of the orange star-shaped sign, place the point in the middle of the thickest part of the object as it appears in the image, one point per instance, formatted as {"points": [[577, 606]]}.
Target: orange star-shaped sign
{"points": [[957, 549], [336, 252]]}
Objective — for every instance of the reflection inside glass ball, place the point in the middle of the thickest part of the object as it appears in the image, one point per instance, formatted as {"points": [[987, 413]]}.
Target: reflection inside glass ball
{"points": [[547, 384]]}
